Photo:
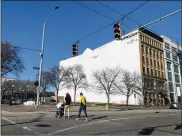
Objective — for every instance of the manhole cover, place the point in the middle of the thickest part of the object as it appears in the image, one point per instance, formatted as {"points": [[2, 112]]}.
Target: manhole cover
{"points": [[43, 125]]}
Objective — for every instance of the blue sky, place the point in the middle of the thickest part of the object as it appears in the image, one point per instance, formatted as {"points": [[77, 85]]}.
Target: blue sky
{"points": [[22, 24]]}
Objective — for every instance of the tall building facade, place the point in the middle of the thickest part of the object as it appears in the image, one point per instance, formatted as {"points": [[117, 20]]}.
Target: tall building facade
{"points": [[152, 67], [139, 51], [173, 71]]}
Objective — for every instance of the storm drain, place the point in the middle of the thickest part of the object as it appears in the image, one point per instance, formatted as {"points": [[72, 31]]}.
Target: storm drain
{"points": [[43, 125]]}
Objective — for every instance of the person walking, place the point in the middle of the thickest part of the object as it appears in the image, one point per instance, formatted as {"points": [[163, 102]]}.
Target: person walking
{"points": [[82, 106], [67, 105]]}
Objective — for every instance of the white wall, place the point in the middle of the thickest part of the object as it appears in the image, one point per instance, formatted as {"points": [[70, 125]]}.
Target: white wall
{"points": [[115, 53]]}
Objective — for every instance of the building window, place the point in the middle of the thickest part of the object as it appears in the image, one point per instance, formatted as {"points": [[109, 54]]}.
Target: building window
{"points": [[159, 73], [175, 58], [142, 49], [147, 51], [169, 66], [154, 53], [141, 37], [155, 72], [157, 55], [169, 76], [161, 56], [177, 85], [151, 53], [174, 50], [143, 60], [170, 86], [154, 63], [172, 97], [148, 71], [176, 68], [177, 78], [158, 65], [151, 62], [147, 61], [152, 73], [168, 55], [161, 66], [144, 70], [167, 46], [146, 39]]}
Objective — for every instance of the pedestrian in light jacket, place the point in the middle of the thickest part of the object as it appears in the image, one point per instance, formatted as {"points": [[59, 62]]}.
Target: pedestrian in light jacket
{"points": [[83, 106]]}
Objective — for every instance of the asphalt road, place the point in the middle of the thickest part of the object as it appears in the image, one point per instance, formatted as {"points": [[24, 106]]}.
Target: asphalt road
{"points": [[166, 122]]}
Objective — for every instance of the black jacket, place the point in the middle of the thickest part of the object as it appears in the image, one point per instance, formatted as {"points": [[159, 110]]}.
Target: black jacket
{"points": [[68, 100]]}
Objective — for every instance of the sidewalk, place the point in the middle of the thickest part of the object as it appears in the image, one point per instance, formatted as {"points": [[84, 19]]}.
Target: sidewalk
{"points": [[52, 108], [44, 108]]}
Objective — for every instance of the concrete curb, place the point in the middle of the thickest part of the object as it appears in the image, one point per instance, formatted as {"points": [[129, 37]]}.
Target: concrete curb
{"points": [[92, 111]]}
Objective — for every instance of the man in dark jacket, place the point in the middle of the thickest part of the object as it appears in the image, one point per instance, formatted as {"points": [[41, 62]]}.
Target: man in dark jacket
{"points": [[67, 105]]}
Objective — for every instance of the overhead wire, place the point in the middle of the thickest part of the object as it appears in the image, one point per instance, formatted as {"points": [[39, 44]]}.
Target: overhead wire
{"points": [[22, 48], [100, 28], [99, 13], [94, 10], [107, 17], [125, 15], [135, 9], [160, 19], [118, 12]]}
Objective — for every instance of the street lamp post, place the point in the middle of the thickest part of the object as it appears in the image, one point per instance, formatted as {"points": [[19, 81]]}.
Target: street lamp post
{"points": [[42, 53]]}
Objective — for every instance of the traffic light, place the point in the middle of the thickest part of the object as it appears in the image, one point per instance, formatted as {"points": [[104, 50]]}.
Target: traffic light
{"points": [[75, 50], [36, 83], [117, 31]]}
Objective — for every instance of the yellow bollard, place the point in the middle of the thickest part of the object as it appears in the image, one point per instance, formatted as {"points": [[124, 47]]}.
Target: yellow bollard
{"points": [[107, 107]]}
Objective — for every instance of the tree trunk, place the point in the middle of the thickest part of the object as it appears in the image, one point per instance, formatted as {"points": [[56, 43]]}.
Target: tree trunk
{"points": [[75, 95], [108, 100], [57, 96], [127, 99]]}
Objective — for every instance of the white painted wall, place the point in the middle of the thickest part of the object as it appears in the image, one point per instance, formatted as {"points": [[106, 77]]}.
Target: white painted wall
{"points": [[115, 53]]}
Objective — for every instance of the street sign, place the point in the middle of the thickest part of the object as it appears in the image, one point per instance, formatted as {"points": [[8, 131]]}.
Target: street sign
{"points": [[36, 68]]}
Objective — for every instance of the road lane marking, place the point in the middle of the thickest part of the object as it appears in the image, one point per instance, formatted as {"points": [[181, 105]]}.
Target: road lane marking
{"points": [[98, 122], [8, 120], [78, 126], [25, 127]]}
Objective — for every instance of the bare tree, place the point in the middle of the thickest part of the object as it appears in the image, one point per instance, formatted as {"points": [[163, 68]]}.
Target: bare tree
{"points": [[104, 81], [18, 89], [45, 81], [11, 62], [57, 79], [160, 88], [75, 78], [128, 84]]}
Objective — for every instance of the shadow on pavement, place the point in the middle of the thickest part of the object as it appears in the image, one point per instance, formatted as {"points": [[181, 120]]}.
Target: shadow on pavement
{"points": [[146, 131], [37, 119], [150, 130], [179, 126], [100, 117], [75, 116]]}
